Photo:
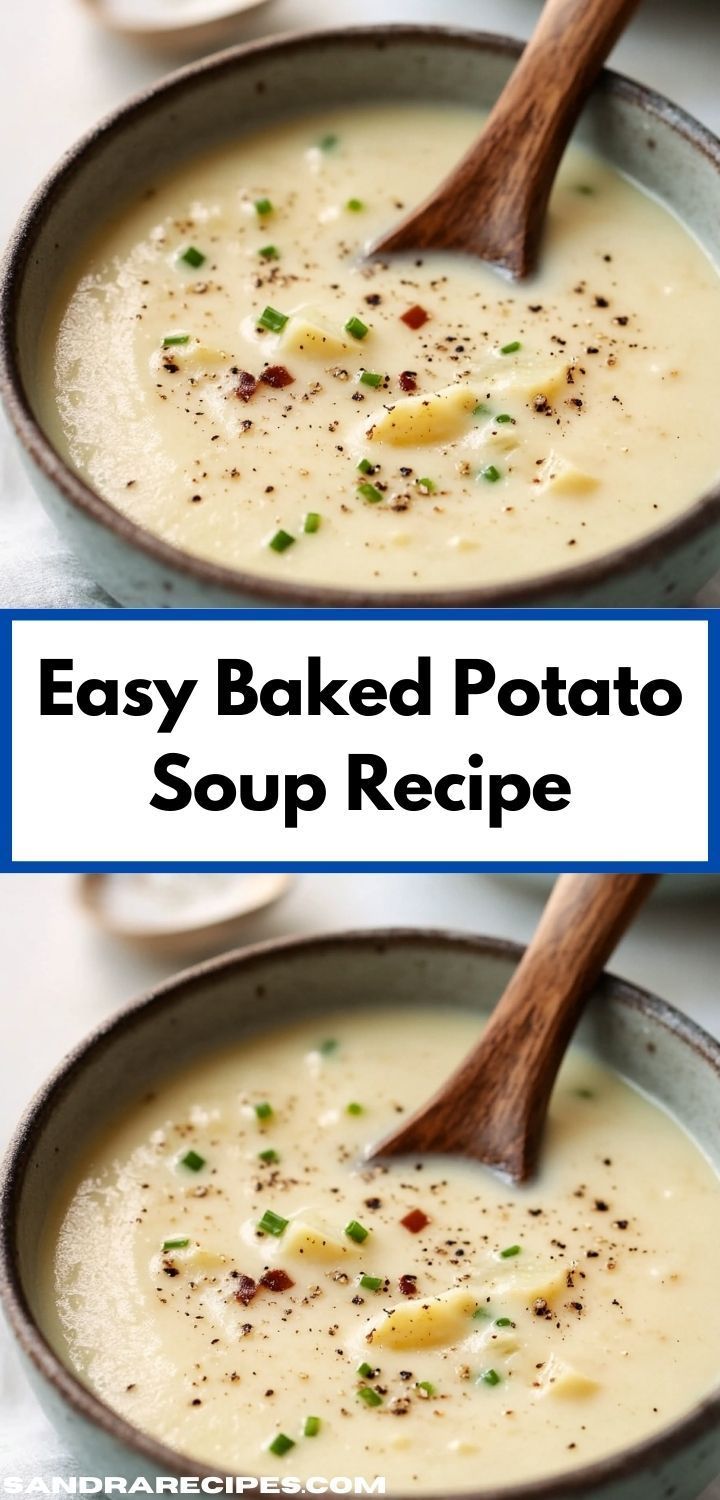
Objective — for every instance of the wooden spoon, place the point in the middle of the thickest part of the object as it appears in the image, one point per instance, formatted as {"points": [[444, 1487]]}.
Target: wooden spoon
{"points": [[492, 1108], [493, 203]]}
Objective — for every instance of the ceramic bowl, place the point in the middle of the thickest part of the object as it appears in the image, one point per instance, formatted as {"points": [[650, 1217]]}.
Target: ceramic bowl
{"points": [[227, 999], [244, 89]]}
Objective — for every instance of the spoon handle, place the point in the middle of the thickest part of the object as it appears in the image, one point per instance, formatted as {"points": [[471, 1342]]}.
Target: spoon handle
{"points": [[532, 120], [492, 1109]]}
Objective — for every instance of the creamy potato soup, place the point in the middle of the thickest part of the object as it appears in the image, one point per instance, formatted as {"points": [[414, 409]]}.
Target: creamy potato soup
{"points": [[228, 370], [225, 1273]]}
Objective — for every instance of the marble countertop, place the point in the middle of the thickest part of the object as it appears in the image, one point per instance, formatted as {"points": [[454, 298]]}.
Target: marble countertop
{"points": [[61, 72], [62, 977]]}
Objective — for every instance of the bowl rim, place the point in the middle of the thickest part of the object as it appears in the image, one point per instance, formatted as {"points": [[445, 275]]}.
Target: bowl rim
{"points": [[265, 591], [702, 1418]]}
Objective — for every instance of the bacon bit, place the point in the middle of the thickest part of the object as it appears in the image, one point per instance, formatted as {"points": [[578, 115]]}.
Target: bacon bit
{"points": [[408, 381], [415, 316], [408, 1286], [277, 376], [246, 386], [415, 1220], [246, 1290], [276, 1281]]}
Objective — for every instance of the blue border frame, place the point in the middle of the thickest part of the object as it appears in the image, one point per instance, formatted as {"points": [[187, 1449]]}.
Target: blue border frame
{"points": [[390, 867]]}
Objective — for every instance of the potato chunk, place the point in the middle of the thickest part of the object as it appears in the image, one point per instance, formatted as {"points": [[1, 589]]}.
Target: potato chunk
{"points": [[533, 1284], [315, 1242], [425, 1322], [418, 420], [560, 476], [565, 1381], [302, 335], [529, 378]]}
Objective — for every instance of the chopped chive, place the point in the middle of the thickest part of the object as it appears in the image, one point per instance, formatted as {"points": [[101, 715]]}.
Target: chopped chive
{"points": [[269, 252], [585, 189], [272, 1223], [371, 1283], [371, 377], [510, 1252], [264, 1110], [511, 348], [180, 1244], [328, 142], [504, 417], [281, 541], [504, 1323], [369, 1396], [426, 1386], [281, 1445], [272, 319], [584, 1094], [365, 1369], [270, 1156], [312, 522], [366, 467], [490, 473], [490, 1377], [356, 328], [171, 339], [328, 1046], [482, 410], [428, 485], [192, 1161], [355, 205], [263, 207], [354, 1109], [481, 1312], [192, 257], [312, 1427], [356, 1232], [370, 492]]}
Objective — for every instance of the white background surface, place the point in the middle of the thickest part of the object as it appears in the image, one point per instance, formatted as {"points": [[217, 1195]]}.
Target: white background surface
{"points": [[628, 798], [61, 977], [60, 73]]}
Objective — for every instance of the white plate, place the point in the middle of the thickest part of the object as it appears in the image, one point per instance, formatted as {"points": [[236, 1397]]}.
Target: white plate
{"points": [[170, 21]]}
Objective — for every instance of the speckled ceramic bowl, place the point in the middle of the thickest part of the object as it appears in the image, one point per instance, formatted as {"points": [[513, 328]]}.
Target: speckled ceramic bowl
{"points": [[220, 98], [223, 1001]]}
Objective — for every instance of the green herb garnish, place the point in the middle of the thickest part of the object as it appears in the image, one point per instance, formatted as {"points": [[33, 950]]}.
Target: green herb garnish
{"points": [[356, 328], [180, 1244], [263, 207], [312, 522], [490, 1377], [272, 1223], [510, 1252], [369, 1396], [365, 1369], [490, 473], [504, 417], [481, 1312], [312, 1427], [273, 320], [426, 1386], [281, 1445], [371, 377], [281, 541], [192, 1161], [354, 1109], [329, 1045], [511, 348], [355, 205], [504, 1323], [192, 257], [366, 467], [328, 142], [428, 485], [270, 1156], [371, 1283], [269, 252], [263, 1110], [481, 410], [370, 492], [356, 1232], [171, 339]]}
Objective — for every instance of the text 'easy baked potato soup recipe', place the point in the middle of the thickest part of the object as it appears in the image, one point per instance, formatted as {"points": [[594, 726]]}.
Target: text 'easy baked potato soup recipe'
{"points": [[228, 369], [223, 1269]]}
